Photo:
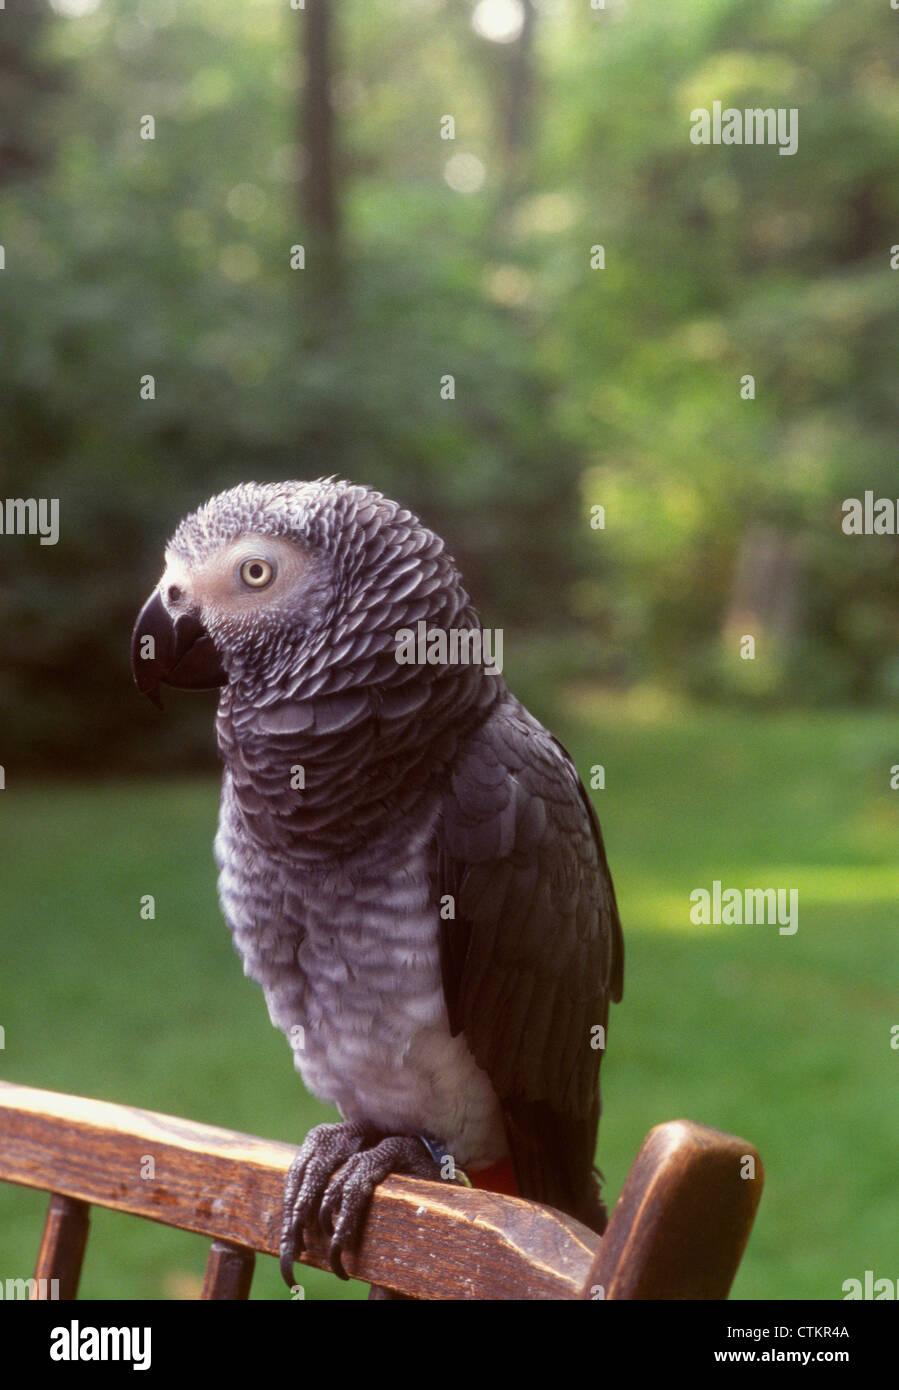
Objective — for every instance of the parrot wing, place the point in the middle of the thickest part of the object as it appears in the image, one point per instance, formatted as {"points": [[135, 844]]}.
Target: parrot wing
{"points": [[534, 953]]}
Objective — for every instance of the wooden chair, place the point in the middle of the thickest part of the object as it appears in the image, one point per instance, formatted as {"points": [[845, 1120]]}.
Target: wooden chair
{"points": [[678, 1229]]}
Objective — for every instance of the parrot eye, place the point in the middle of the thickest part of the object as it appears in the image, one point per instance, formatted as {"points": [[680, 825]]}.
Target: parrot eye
{"points": [[256, 574]]}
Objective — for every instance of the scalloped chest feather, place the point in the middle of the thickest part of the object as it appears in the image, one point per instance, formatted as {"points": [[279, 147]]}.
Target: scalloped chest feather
{"points": [[348, 960]]}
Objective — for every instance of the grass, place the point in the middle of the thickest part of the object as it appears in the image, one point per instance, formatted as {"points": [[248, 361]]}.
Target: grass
{"points": [[784, 1039]]}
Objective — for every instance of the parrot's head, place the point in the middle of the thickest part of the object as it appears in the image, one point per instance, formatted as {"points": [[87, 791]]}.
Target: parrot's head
{"points": [[292, 589]]}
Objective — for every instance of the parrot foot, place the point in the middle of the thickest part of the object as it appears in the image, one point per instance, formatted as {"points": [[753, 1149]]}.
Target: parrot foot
{"points": [[331, 1181], [345, 1203]]}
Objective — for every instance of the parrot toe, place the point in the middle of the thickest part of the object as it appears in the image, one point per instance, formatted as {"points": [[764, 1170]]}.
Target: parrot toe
{"points": [[324, 1150], [345, 1203], [331, 1181]]}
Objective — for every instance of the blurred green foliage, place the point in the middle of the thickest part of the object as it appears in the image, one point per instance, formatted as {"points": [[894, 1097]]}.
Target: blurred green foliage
{"points": [[574, 386]]}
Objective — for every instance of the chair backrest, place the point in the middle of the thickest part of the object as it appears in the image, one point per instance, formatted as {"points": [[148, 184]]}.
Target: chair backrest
{"points": [[678, 1229]]}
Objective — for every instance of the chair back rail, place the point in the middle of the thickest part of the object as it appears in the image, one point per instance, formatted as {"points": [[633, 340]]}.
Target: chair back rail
{"points": [[678, 1229]]}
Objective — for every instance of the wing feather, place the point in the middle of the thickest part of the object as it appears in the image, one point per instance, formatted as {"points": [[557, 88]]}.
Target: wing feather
{"points": [[534, 955]]}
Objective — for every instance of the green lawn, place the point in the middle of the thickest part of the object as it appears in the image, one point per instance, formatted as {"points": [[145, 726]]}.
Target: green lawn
{"points": [[783, 1039]]}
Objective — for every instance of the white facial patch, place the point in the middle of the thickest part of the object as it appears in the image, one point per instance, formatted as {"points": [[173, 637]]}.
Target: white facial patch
{"points": [[217, 583]]}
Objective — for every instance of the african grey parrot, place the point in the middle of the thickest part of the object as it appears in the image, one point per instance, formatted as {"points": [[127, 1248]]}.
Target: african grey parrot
{"points": [[409, 864]]}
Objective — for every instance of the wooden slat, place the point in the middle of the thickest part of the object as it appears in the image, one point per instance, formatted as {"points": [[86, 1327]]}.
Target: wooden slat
{"points": [[683, 1218], [62, 1248], [229, 1271], [424, 1239]]}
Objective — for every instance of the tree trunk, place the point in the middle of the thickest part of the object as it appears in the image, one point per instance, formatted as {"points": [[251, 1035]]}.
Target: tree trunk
{"points": [[519, 101], [26, 81], [319, 205]]}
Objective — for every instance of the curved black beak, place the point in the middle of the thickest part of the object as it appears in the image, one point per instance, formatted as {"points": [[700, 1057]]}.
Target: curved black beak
{"points": [[179, 653]]}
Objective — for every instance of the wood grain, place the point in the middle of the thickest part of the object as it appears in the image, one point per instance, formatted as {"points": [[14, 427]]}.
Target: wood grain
{"points": [[229, 1272], [683, 1218], [62, 1247], [678, 1229], [424, 1239]]}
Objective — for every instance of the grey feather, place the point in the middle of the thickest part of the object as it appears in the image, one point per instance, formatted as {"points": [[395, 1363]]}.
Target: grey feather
{"points": [[421, 781]]}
